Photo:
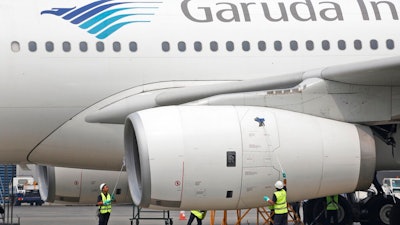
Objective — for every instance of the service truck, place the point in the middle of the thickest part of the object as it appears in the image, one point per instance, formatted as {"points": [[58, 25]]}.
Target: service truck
{"points": [[26, 190], [392, 186]]}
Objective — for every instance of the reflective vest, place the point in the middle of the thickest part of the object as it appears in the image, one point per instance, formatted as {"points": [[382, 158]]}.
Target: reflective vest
{"points": [[332, 204], [271, 207], [105, 208], [199, 214], [280, 206]]}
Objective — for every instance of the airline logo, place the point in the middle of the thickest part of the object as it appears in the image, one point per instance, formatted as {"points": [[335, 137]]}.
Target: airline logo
{"points": [[104, 17]]}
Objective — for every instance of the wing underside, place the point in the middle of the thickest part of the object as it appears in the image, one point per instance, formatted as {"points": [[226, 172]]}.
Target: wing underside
{"points": [[365, 92]]}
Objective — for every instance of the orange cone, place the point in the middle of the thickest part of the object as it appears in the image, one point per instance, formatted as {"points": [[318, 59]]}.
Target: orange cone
{"points": [[182, 215]]}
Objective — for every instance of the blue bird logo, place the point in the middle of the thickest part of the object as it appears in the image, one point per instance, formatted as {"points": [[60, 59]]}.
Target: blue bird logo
{"points": [[104, 17]]}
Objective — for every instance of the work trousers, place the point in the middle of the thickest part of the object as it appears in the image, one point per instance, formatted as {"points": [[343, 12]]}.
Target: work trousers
{"points": [[280, 219], [103, 218], [191, 218], [331, 215]]}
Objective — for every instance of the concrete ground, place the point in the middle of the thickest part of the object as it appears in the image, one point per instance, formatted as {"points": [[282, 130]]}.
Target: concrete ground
{"points": [[121, 214]]}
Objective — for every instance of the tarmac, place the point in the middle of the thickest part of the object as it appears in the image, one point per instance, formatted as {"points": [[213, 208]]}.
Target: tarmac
{"points": [[121, 215]]}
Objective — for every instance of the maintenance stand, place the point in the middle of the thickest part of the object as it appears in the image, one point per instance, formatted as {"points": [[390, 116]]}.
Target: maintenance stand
{"points": [[264, 216], [138, 215]]}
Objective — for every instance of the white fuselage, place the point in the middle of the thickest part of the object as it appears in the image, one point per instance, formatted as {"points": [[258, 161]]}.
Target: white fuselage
{"points": [[46, 93]]}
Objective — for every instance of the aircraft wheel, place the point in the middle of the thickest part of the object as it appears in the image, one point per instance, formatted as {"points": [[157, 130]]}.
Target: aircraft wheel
{"points": [[395, 213], [314, 211], [379, 209]]}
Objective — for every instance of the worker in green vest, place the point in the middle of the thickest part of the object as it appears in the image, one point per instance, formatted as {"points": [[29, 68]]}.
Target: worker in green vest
{"points": [[104, 202], [198, 214], [279, 203], [332, 207]]}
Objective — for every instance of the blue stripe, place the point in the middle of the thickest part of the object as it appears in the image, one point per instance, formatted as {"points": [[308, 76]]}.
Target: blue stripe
{"points": [[99, 17], [93, 12], [111, 30], [83, 9], [107, 22]]}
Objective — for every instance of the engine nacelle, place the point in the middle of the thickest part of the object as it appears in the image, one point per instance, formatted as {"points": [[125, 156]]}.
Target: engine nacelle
{"points": [[226, 157], [58, 184]]}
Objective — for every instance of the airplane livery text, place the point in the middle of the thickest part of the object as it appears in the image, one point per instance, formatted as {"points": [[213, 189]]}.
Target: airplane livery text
{"points": [[283, 11]]}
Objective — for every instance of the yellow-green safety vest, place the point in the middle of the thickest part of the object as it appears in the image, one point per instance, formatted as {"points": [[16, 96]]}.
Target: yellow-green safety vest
{"points": [[332, 204], [105, 208], [280, 206], [199, 214]]}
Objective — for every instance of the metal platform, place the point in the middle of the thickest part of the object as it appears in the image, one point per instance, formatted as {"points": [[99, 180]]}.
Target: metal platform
{"points": [[140, 214]]}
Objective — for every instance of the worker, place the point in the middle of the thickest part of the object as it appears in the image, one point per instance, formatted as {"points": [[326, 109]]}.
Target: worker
{"points": [[199, 214], [279, 203], [332, 207], [104, 202]]}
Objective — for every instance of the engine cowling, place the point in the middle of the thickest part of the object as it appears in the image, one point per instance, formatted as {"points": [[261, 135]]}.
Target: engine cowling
{"points": [[226, 157], [58, 184]]}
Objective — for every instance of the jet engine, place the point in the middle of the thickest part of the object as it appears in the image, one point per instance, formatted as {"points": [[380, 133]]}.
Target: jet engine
{"points": [[58, 184], [229, 157]]}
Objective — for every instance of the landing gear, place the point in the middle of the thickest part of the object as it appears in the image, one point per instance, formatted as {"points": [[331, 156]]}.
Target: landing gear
{"points": [[374, 210], [379, 209], [314, 211], [395, 213]]}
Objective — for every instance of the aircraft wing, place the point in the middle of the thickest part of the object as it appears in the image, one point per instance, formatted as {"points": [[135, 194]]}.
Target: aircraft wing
{"points": [[353, 83], [382, 72]]}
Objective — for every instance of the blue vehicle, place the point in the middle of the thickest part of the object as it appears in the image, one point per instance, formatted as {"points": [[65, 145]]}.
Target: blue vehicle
{"points": [[26, 190]]}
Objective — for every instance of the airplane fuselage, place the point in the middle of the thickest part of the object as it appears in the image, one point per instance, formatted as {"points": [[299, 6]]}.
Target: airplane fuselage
{"points": [[56, 67]]}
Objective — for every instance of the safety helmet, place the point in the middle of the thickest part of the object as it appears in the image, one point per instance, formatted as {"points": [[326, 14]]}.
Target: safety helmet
{"points": [[279, 184], [102, 185]]}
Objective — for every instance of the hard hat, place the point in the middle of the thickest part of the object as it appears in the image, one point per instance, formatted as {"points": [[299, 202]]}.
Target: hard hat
{"points": [[279, 184], [102, 185]]}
